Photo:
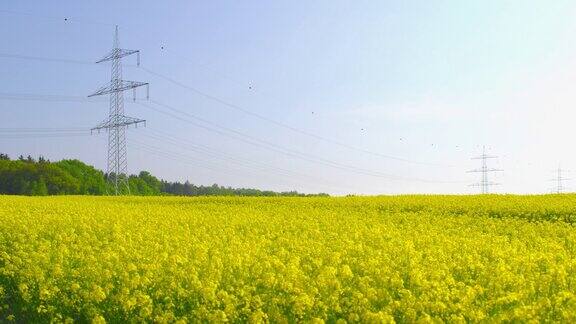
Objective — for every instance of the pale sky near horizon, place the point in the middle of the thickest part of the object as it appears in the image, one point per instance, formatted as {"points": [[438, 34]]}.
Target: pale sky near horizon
{"points": [[426, 81]]}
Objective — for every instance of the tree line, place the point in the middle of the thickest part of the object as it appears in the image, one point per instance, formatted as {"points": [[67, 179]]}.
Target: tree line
{"points": [[40, 177]]}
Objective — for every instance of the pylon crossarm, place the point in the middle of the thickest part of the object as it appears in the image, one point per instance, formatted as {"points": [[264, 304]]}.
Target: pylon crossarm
{"points": [[483, 184], [120, 121], [483, 170], [122, 86], [484, 157], [119, 53], [117, 125]]}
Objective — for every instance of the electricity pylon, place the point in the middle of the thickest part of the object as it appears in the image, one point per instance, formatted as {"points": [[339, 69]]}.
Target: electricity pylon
{"points": [[117, 123], [484, 183], [559, 180]]}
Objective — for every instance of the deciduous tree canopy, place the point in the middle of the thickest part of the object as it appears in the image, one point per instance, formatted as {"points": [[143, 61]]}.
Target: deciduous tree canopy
{"points": [[27, 176]]}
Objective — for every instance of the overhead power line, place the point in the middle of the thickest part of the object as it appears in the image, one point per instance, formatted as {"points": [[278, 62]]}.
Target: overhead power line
{"points": [[224, 131], [283, 125], [182, 158], [255, 141], [44, 59], [43, 130], [53, 59], [65, 19], [262, 143], [46, 98], [29, 132], [211, 70], [42, 136], [250, 163], [241, 109]]}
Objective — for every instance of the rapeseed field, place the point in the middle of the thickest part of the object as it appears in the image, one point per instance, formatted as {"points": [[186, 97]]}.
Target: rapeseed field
{"points": [[355, 259]]}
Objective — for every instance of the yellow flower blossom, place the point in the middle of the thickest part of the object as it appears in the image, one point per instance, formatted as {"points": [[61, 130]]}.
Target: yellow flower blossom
{"points": [[229, 259]]}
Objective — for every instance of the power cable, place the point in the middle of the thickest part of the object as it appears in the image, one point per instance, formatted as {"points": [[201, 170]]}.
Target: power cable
{"points": [[42, 130], [183, 158], [60, 18], [271, 146], [44, 59], [235, 107], [54, 59], [241, 161], [283, 125], [240, 136], [41, 136]]}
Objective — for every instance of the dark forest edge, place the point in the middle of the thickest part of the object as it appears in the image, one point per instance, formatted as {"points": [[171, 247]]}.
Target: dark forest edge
{"points": [[40, 177]]}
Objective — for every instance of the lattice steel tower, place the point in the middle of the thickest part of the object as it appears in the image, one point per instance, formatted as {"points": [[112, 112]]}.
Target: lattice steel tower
{"points": [[559, 180], [117, 123], [484, 183]]}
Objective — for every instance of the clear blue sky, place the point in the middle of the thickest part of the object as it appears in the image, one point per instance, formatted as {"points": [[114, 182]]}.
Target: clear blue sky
{"points": [[428, 81]]}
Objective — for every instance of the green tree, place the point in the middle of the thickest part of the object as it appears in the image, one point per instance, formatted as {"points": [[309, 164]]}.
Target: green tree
{"points": [[27, 176], [39, 188], [91, 180]]}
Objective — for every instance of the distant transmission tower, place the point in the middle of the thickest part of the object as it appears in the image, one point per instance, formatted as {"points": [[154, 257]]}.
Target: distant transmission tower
{"points": [[117, 123], [559, 180], [484, 183]]}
